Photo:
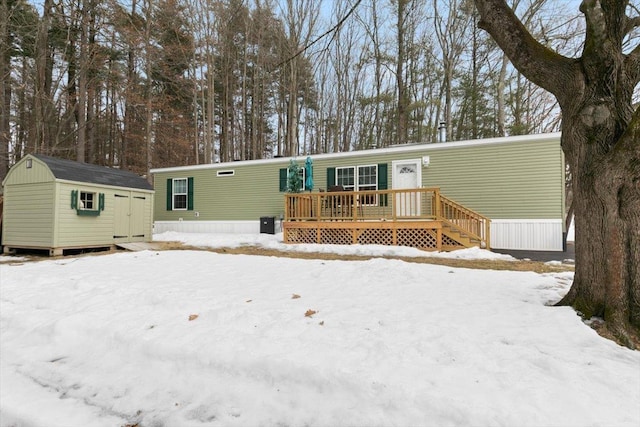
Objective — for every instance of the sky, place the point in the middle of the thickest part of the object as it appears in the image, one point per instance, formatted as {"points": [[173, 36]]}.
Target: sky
{"points": [[196, 338]]}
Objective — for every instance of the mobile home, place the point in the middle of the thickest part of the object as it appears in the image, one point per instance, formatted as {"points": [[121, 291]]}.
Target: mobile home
{"points": [[517, 182]]}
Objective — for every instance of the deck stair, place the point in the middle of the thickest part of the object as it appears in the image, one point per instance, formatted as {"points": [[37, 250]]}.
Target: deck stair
{"points": [[465, 227], [458, 238]]}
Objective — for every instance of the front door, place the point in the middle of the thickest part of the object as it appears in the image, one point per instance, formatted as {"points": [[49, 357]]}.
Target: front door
{"points": [[407, 174]]}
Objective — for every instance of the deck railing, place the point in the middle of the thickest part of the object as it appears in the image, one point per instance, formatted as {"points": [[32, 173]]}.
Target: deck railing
{"points": [[386, 205]]}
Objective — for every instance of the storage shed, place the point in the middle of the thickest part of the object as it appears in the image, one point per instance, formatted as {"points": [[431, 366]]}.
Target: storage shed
{"points": [[58, 205]]}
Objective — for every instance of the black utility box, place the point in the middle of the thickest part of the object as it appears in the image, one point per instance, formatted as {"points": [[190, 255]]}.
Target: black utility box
{"points": [[268, 225]]}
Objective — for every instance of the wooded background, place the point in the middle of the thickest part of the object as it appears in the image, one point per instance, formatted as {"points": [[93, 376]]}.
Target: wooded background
{"points": [[154, 83]]}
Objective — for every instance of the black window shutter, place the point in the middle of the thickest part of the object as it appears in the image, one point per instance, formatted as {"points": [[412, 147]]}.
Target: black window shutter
{"points": [[383, 183], [331, 177], [283, 179], [169, 194], [190, 193]]}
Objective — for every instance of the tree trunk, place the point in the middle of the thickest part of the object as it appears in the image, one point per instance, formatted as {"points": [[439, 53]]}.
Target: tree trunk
{"points": [[601, 142], [5, 88], [41, 139], [607, 223], [401, 137]]}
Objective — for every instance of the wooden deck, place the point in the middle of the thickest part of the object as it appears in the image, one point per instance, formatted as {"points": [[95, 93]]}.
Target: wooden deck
{"points": [[421, 218]]}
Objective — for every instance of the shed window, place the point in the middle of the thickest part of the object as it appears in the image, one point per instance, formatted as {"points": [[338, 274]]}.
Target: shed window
{"points": [[87, 201]]}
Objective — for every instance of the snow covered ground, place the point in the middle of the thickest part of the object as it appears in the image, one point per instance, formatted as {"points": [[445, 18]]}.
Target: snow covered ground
{"points": [[194, 338]]}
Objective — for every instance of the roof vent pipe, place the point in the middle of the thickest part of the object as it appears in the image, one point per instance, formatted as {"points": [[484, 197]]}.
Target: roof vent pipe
{"points": [[442, 132]]}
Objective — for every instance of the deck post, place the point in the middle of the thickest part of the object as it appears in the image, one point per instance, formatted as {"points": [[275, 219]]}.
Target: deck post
{"points": [[439, 239], [437, 207]]}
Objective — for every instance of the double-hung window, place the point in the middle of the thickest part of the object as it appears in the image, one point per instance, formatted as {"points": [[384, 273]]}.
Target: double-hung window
{"points": [[179, 194], [359, 178], [285, 181], [346, 177], [368, 181], [303, 178]]}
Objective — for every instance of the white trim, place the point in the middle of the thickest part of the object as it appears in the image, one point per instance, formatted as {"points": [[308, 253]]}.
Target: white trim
{"points": [[527, 234], [409, 203], [408, 148], [416, 162], [174, 193], [94, 200]]}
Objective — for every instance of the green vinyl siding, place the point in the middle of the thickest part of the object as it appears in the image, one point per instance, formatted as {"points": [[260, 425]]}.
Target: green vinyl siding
{"points": [[78, 230], [38, 173], [28, 214], [518, 179], [251, 192]]}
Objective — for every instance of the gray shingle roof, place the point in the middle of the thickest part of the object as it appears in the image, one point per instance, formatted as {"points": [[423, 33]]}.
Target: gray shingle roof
{"points": [[94, 174]]}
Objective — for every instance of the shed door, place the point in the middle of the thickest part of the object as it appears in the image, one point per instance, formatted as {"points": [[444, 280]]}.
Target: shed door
{"points": [[137, 218], [121, 219], [407, 174]]}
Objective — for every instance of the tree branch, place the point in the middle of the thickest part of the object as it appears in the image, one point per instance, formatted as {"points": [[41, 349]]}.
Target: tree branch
{"points": [[333, 30], [632, 65], [631, 24], [541, 65]]}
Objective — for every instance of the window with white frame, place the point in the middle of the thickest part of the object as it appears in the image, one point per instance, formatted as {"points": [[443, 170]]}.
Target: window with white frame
{"points": [[303, 176], [302, 172], [179, 194], [346, 177], [87, 201], [359, 178], [368, 181]]}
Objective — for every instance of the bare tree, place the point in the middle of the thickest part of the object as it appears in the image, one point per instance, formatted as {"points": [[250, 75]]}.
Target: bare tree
{"points": [[451, 32]]}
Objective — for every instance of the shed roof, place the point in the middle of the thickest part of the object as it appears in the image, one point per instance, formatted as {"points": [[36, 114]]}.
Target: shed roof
{"points": [[94, 174]]}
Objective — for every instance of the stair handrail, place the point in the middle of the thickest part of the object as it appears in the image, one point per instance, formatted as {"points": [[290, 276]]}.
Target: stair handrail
{"points": [[484, 234]]}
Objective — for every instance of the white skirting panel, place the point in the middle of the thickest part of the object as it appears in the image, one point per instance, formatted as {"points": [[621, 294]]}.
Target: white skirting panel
{"points": [[527, 234], [522, 234], [234, 227]]}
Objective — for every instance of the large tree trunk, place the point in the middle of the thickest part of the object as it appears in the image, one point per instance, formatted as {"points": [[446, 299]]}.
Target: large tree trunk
{"points": [[601, 142], [607, 212]]}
